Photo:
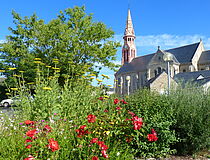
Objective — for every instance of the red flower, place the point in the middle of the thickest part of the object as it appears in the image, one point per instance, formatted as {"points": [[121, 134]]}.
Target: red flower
{"points": [[154, 132], [47, 128], [53, 145], [104, 147], [95, 158], [94, 140], [118, 108], [81, 131], [28, 140], [91, 118], [124, 102], [152, 137], [106, 110], [131, 113], [28, 122], [137, 125], [29, 146], [30, 157], [101, 98], [100, 143], [104, 154], [116, 101], [31, 133]]}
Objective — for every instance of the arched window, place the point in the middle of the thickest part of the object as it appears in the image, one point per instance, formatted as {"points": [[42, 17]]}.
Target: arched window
{"points": [[155, 71], [159, 70], [184, 70]]}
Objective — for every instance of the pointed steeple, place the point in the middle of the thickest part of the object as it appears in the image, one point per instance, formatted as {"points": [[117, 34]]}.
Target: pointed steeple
{"points": [[129, 47], [129, 25]]}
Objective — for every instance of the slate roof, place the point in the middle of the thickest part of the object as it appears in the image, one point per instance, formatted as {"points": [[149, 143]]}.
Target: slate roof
{"points": [[205, 57], [137, 64], [183, 54], [192, 76]]}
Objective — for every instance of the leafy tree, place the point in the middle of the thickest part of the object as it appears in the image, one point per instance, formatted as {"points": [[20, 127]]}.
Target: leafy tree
{"points": [[72, 42]]}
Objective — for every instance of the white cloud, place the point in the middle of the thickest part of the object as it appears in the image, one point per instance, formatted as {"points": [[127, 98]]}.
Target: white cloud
{"points": [[166, 40], [2, 41]]}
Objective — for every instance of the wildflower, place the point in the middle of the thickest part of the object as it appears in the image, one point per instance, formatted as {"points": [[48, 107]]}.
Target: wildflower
{"points": [[28, 122], [47, 128], [106, 110], [12, 69], [81, 131], [31, 133], [95, 158], [109, 85], [29, 146], [48, 66], [14, 89], [30, 83], [152, 137], [107, 132], [30, 157], [101, 98], [53, 145], [28, 140], [2, 70], [104, 154], [131, 113], [46, 88], [99, 80], [124, 102], [116, 101], [118, 108], [21, 71], [55, 68], [37, 59], [94, 140], [37, 62], [91, 118], [105, 96]]}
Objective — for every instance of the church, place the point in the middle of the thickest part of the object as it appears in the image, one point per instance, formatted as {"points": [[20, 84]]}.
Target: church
{"points": [[187, 63]]}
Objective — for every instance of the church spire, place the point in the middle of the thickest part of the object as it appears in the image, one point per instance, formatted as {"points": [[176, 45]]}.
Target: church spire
{"points": [[129, 47], [129, 25]]}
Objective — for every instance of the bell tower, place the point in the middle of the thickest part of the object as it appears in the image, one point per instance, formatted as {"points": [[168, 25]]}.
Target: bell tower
{"points": [[129, 47]]}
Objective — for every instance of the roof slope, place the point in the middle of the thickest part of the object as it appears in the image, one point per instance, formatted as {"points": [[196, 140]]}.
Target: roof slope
{"points": [[137, 64], [184, 54], [205, 57], [191, 76]]}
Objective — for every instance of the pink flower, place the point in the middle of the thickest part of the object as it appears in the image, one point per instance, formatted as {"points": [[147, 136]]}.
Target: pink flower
{"points": [[137, 125], [106, 110], [91, 118], [118, 108], [154, 132], [131, 113], [124, 102], [29, 146], [94, 140], [101, 98], [30, 157], [104, 154]]}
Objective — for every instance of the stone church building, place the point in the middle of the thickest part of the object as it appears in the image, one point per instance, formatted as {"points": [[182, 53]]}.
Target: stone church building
{"points": [[151, 70]]}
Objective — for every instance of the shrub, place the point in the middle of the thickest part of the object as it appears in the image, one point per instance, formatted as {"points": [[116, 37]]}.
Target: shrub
{"points": [[157, 113], [191, 106]]}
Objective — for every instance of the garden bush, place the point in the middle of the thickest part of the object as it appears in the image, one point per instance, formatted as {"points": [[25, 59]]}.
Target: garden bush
{"points": [[191, 110], [157, 113]]}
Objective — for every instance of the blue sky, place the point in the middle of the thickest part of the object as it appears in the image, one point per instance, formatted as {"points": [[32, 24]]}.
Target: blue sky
{"points": [[168, 23]]}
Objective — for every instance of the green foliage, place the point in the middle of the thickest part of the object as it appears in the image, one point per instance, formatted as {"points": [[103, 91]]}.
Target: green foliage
{"points": [[191, 111], [73, 38], [157, 113]]}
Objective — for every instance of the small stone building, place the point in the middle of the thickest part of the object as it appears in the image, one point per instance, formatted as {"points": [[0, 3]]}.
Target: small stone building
{"points": [[151, 70]]}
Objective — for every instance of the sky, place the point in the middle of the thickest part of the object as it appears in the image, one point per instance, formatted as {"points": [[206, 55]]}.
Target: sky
{"points": [[164, 23]]}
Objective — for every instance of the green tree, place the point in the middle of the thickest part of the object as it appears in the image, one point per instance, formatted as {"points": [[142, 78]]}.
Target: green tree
{"points": [[72, 42]]}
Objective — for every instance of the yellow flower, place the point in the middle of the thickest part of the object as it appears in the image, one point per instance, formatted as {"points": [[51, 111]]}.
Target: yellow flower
{"points": [[21, 71], [109, 85], [30, 83], [37, 59], [15, 75], [55, 68], [14, 89], [107, 132], [37, 62], [48, 66], [55, 59], [106, 96], [115, 80], [91, 77], [111, 122], [2, 70], [7, 93], [98, 80], [119, 85], [105, 76], [46, 88], [12, 69]]}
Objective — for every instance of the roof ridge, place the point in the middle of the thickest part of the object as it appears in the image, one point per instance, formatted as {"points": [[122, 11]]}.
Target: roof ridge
{"points": [[144, 55], [182, 46]]}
